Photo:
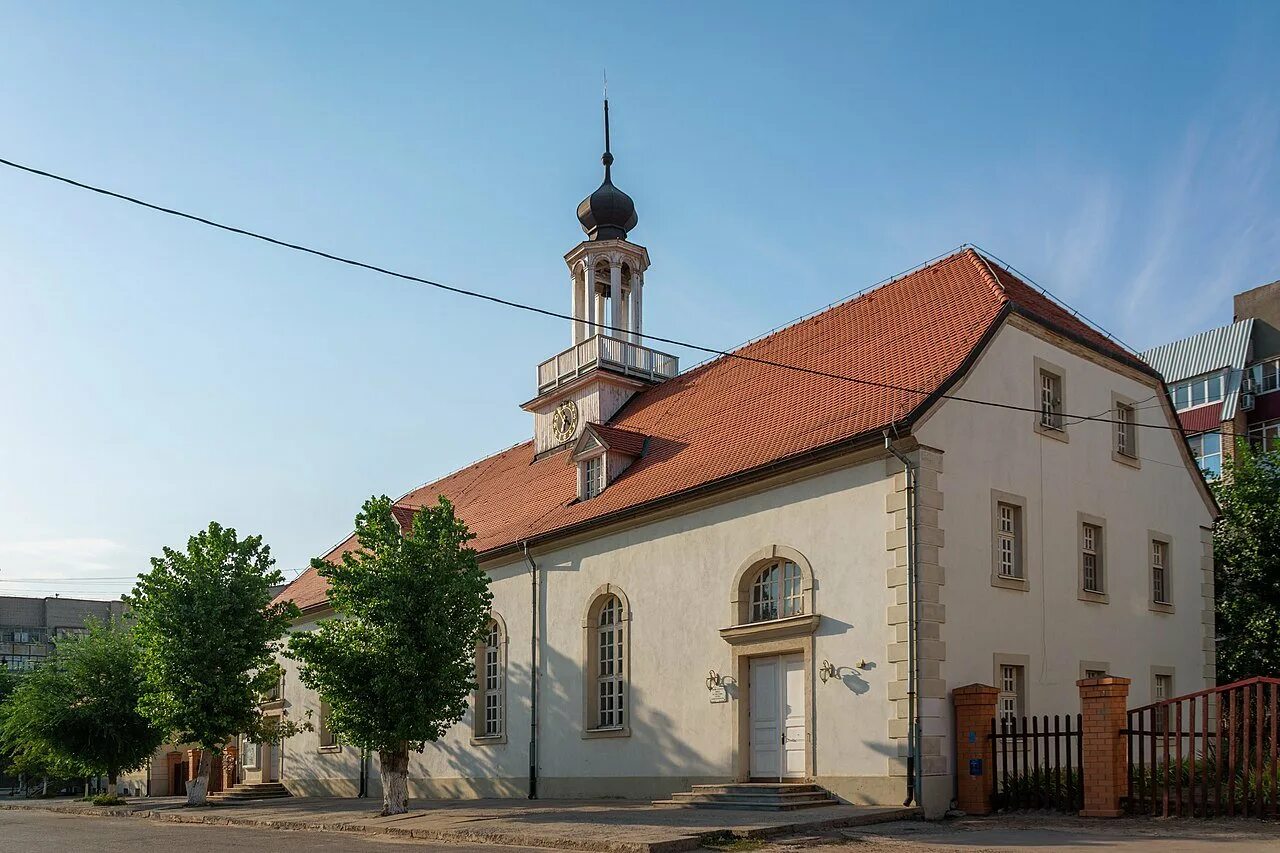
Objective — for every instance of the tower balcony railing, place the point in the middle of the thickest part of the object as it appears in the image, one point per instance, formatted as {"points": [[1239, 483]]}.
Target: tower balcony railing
{"points": [[615, 354]]}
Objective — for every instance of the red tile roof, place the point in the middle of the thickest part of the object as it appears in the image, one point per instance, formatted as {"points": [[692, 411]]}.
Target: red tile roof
{"points": [[732, 416], [621, 440]]}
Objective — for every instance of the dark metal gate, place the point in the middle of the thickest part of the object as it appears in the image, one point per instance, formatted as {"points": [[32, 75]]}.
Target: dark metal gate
{"points": [[1207, 754], [1037, 763]]}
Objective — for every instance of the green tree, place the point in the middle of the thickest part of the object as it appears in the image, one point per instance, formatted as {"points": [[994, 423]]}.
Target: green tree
{"points": [[397, 663], [77, 713], [209, 634], [1246, 545]]}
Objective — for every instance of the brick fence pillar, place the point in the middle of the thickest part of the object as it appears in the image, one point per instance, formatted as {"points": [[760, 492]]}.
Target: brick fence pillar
{"points": [[1103, 706], [975, 709]]}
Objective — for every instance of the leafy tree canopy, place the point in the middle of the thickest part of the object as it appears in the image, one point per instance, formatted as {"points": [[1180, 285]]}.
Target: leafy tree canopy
{"points": [[1246, 544], [208, 633], [397, 663], [77, 713]]}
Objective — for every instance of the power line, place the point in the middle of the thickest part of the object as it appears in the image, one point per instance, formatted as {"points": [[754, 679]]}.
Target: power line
{"points": [[547, 312]]}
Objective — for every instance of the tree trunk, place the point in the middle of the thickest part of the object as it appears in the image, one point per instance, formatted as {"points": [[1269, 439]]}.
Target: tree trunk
{"points": [[198, 787], [394, 767], [111, 783]]}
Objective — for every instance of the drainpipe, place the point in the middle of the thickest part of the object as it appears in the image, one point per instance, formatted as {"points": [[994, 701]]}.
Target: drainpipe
{"points": [[913, 615], [364, 772], [533, 672]]}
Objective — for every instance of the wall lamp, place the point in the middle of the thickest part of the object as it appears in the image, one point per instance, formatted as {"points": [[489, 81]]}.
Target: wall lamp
{"points": [[714, 680], [826, 671]]}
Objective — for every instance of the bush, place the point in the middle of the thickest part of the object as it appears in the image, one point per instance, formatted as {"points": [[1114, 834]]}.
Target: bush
{"points": [[108, 800]]}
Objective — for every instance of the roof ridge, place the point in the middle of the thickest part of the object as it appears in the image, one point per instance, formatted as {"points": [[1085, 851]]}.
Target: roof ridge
{"points": [[984, 269]]}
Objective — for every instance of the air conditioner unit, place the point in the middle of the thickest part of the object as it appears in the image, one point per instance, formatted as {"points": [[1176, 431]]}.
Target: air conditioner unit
{"points": [[1247, 399]]}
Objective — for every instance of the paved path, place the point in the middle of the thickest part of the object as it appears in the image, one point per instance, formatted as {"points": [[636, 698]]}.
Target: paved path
{"points": [[609, 826], [1035, 834], [50, 832]]}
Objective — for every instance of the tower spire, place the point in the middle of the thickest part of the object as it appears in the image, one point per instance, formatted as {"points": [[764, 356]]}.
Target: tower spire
{"points": [[608, 213]]}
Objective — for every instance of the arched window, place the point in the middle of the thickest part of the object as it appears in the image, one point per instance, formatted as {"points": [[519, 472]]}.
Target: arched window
{"points": [[776, 592], [609, 681], [606, 636], [491, 683], [774, 583]]}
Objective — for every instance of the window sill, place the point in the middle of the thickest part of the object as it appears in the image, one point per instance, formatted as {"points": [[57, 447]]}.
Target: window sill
{"points": [[1160, 607], [774, 629], [1094, 597], [616, 731], [327, 750], [1059, 433], [271, 705], [1005, 582], [1126, 459], [489, 740]]}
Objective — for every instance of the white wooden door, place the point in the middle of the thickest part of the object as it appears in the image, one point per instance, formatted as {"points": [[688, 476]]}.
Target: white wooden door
{"points": [[792, 711], [777, 716]]}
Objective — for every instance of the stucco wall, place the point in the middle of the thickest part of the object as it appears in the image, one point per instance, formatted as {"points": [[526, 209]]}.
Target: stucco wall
{"points": [[678, 576], [987, 448]]}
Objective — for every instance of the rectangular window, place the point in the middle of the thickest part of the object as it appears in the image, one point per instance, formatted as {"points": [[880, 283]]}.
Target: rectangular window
{"points": [[1266, 376], [1091, 557], [1265, 436], [1163, 687], [493, 682], [609, 678], [1159, 571], [1050, 400], [592, 477], [1126, 431], [1011, 692], [1008, 539], [1197, 392], [328, 737], [1207, 449]]}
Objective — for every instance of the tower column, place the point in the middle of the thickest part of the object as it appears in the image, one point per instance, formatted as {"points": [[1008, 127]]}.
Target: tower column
{"points": [[617, 313], [637, 289], [588, 297], [579, 285], [601, 299]]}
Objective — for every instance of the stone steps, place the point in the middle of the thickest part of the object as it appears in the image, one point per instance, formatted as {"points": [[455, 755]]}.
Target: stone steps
{"points": [[756, 796], [251, 791]]}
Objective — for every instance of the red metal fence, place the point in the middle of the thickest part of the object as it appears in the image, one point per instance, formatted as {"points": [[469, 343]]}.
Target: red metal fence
{"points": [[1207, 754]]}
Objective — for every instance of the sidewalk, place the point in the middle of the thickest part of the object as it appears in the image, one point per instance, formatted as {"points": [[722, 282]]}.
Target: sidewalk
{"points": [[596, 825]]}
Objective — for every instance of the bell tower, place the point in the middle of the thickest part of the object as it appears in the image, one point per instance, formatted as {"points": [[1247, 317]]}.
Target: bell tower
{"points": [[607, 361]]}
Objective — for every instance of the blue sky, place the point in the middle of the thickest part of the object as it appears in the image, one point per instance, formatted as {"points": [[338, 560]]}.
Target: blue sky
{"points": [[155, 374]]}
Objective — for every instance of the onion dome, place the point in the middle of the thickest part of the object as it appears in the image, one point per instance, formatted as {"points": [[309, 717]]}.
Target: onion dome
{"points": [[608, 213]]}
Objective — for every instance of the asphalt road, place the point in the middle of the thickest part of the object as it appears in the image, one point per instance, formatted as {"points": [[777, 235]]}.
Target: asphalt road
{"points": [[48, 832]]}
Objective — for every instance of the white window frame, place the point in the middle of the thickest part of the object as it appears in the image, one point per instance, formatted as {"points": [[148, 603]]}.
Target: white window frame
{"points": [[1160, 572], [1195, 443], [610, 695], [328, 737], [1050, 400], [1266, 376], [777, 592], [1091, 554], [1011, 704], [1265, 435], [592, 473], [1007, 511], [1211, 386], [492, 724]]}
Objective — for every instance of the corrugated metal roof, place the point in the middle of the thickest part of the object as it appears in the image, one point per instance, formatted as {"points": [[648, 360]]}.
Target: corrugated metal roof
{"points": [[1227, 346], [1224, 348]]}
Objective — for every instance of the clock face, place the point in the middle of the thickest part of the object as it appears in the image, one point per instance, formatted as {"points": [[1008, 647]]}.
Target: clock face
{"points": [[564, 421]]}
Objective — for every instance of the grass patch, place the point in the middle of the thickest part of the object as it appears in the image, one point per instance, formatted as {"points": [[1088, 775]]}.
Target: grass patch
{"points": [[108, 800], [727, 842]]}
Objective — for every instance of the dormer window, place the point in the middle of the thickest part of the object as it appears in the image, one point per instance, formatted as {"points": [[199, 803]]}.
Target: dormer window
{"points": [[602, 453], [592, 475]]}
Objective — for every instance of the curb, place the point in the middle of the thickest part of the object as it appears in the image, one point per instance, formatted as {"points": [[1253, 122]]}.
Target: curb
{"points": [[509, 839]]}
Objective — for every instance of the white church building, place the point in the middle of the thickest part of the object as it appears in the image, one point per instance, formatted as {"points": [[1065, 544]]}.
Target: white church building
{"points": [[777, 565]]}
